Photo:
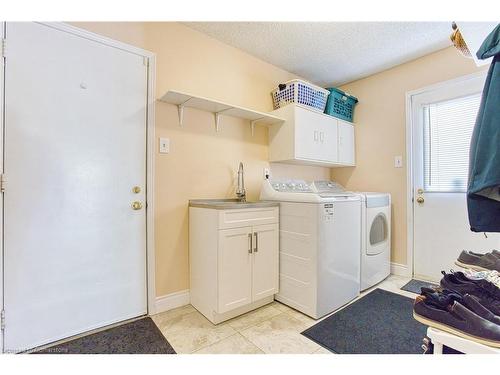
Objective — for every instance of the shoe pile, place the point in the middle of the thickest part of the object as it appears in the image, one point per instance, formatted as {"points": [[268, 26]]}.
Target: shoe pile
{"points": [[464, 306]]}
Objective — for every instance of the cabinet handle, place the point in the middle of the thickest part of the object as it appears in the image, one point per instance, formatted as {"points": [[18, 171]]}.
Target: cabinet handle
{"points": [[250, 247], [316, 135], [256, 242], [321, 136]]}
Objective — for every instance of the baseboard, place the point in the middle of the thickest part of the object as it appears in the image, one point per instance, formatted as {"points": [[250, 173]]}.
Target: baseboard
{"points": [[400, 269], [172, 301]]}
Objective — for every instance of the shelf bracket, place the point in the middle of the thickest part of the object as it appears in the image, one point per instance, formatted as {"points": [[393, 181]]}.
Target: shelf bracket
{"points": [[252, 124], [217, 121], [180, 112], [217, 118]]}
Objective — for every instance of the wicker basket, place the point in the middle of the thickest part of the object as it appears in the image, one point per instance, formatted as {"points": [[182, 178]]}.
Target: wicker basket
{"points": [[459, 42], [300, 92]]}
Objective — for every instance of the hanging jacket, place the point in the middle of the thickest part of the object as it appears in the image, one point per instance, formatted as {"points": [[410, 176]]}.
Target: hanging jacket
{"points": [[483, 189]]}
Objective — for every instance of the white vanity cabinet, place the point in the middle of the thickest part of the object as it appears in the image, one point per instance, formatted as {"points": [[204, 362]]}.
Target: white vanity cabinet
{"points": [[309, 137], [233, 257]]}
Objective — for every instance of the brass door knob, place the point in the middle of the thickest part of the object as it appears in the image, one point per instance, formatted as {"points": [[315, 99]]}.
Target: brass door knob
{"points": [[420, 200], [136, 205], [136, 189]]}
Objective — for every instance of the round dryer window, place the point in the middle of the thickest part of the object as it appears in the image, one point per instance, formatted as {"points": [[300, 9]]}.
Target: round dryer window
{"points": [[378, 230]]}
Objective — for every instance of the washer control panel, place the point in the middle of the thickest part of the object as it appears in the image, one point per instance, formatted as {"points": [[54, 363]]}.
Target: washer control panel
{"points": [[291, 186]]}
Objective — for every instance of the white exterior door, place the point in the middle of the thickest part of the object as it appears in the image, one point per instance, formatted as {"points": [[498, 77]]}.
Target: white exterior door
{"points": [[442, 120], [74, 148], [265, 261], [234, 268]]}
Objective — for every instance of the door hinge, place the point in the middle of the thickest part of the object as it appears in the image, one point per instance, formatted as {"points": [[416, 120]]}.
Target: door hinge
{"points": [[2, 324], [2, 183], [145, 61], [3, 47]]}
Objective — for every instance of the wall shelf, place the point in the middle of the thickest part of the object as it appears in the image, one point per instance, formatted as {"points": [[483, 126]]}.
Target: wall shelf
{"points": [[183, 100]]}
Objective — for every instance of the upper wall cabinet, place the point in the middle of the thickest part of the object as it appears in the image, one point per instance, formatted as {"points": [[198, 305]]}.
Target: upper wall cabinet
{"points": [[309, 137]]}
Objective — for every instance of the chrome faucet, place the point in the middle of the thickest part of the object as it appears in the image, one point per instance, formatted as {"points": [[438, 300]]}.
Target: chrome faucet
{"points": [[241, 192]]}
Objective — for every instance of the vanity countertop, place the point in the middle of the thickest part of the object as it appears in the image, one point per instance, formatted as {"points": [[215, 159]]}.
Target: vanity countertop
{"points": [[229, 204]]}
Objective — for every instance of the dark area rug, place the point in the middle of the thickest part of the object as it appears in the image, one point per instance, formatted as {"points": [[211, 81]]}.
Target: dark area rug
{"points": [[414, 286], [379, 323], [138, 337]]}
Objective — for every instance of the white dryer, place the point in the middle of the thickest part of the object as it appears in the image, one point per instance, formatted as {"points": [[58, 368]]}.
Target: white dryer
{"points": [[375, 238], [320, 244]]}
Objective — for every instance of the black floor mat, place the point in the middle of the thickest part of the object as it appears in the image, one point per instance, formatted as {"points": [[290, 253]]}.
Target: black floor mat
{"points": [[138, 337], [379, 323], [414, 286]]}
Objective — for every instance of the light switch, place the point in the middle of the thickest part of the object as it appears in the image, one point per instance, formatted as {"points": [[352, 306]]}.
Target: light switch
{"points": [[164, 145], [398, 161]]}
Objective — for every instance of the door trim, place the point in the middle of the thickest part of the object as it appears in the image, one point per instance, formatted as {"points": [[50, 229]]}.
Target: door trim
{"points": [[2, 122], [150, 59], [410, 183]]}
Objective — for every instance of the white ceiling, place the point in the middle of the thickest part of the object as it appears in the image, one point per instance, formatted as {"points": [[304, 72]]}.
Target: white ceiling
{"points": [[331, 53]]}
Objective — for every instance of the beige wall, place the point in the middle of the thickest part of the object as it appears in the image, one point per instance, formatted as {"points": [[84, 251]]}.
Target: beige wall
{"points": [[380, 130], [202, 163]]}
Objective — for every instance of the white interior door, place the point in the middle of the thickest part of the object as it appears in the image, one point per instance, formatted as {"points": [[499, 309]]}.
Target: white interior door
{"points": [[443, 119], [75, 146]]}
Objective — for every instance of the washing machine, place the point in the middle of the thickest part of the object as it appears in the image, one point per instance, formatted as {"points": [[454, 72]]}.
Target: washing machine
{"points": [[375, 238], [319, 244]]}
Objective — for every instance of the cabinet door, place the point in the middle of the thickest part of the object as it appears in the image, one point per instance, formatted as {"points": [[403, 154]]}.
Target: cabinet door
{"points": [[315, 136], [328, 139], [265, 261], [346, 143], [307, 132], [234, 268]]}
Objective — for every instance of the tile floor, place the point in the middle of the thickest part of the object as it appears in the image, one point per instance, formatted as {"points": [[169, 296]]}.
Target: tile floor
{"points": [[274, 328]]}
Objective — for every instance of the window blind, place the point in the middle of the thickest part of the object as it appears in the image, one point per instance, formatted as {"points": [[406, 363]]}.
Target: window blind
{"points": [[448, 129]]}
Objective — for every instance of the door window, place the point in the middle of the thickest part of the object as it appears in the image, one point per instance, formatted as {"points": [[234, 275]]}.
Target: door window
{"points": [[447, 131], [378, 231]]}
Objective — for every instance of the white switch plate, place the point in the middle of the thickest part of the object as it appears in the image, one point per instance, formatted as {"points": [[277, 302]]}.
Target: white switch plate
{"points": [[398, 161], [164, 145]]}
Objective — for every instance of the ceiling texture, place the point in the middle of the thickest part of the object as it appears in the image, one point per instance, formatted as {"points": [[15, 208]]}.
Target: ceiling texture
{"points": [[331, 53]]}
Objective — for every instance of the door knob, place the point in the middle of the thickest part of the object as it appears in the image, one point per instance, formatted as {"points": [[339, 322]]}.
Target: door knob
{"points": [[136, 205], [420, 200], [136, 189]]}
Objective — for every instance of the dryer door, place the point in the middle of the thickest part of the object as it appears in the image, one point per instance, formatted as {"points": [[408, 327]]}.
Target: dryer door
{"points": [[377, 235]]}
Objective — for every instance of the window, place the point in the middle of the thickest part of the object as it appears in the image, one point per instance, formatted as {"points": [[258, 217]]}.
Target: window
{"points": [[448, 129]]}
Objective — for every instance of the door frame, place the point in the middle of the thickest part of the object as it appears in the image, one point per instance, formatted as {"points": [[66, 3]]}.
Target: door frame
{"points": [[410, 180], [150, 60]]}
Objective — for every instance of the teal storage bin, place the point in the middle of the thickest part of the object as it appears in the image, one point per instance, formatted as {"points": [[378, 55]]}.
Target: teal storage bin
{"points": [[340, 104]]}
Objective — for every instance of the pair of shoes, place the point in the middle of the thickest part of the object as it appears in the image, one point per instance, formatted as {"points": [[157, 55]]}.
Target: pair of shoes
{"points": [[481, 262], [486, 293], [461, 315], [491, 276]]}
